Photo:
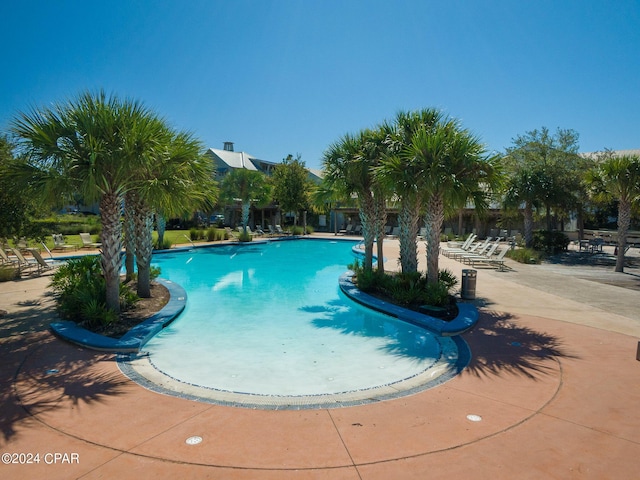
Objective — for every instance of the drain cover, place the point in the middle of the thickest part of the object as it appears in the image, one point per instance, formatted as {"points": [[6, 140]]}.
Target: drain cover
{"points": [[193, 440], [474, 418]]}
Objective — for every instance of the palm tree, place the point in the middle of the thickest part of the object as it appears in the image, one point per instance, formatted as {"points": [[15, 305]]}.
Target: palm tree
{"points": [[247, 186], [88, 145], [455, 168], [177, 179], [618, 178], [402, 171], [375, 148], [347, 170], [522, 188]]}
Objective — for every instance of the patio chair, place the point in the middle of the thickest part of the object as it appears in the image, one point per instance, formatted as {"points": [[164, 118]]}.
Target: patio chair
{"points": [[446, 251], [58, 242], [474, 248], [41, 263], [498, 260], [23, 263], [480, 255], [4, 258], [280, 231], [87, 241]]}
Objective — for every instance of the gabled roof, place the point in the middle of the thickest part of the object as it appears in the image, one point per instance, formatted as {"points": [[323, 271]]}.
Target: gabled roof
{"points": [[235, 159]]}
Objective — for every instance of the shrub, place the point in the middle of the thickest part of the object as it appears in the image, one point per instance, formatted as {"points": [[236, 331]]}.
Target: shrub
{"points": [[310, 230], [405, 289], [297, 230], [245, 236], [166, 244], [81, 292], [550, 242], [8, 273], [212, 234], [196, 234], [525, 255]]}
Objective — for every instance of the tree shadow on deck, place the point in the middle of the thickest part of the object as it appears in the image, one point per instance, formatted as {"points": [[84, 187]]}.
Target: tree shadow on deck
{"points": [[499, 345], [39, 372]]}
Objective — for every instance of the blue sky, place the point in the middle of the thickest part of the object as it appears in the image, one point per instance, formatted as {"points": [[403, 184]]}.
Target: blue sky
{"points": [[292, 76]]}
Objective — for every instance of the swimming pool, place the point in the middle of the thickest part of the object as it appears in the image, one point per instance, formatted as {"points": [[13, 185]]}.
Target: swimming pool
{"points": [[266, 323]]}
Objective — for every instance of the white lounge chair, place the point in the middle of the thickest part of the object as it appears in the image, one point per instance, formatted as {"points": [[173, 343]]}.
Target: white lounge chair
{"points": [[59, 244], [480, 255], [23, 263], [497, 260], [87, 241], [446, 251]]}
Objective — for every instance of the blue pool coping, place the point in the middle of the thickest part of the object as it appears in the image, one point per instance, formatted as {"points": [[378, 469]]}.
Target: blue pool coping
{"points": [[134, 339], [466, 319]]}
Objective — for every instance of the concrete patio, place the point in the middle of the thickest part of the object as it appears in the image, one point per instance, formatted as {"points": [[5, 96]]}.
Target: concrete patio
{"points": [[552, 391]]}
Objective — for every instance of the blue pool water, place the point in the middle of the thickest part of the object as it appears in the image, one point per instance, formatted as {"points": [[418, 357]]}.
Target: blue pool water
{"points": [[269, 319]]}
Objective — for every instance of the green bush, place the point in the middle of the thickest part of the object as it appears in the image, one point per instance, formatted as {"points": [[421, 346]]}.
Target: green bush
{"points": [[310, 230], [408, 289], [297, 230], [81, 292], [196, 234], [71, 224], [550, 242], [245, 237], [525, 255], [8, 273], [166, 244], [212, 234]]}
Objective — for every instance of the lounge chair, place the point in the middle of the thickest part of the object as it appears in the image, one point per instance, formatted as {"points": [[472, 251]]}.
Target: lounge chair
{"points": [[280, 231], [497, 260], [58, 243], [7, 259], [249, 232], [474, 248], [23, 263], [41, 263], [480, 255], [343, 231], [87, 241], [446, 251]]}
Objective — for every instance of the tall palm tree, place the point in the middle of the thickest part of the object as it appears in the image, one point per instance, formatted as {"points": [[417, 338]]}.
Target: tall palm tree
{"points": [[247, 186], [177, 179], [401, 170], [347, 169], [375, 149], [89, 143], [618, 178], [455, 169], [522, 189]]}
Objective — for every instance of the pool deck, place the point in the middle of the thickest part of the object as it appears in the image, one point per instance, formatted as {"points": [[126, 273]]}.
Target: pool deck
{"points": [[554, 381]]}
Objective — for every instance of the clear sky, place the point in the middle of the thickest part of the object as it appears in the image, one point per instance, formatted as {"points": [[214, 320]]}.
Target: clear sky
{"points": [[292, 76]]}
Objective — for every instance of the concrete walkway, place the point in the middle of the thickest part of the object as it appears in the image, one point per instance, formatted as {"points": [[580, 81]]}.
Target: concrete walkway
{"points": [[552, 392]]}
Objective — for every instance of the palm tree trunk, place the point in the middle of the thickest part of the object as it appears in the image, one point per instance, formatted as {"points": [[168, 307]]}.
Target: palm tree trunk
{"points": [[144, 246], [381, 221], [161, 225], [408, 220], [433, 221], [367, 218], [246, 206], [624, 219], [129, 236], [111, 247], [528, 225]]}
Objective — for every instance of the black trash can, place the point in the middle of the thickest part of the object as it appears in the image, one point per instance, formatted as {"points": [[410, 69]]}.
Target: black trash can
{"points": [[468, 284]]}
